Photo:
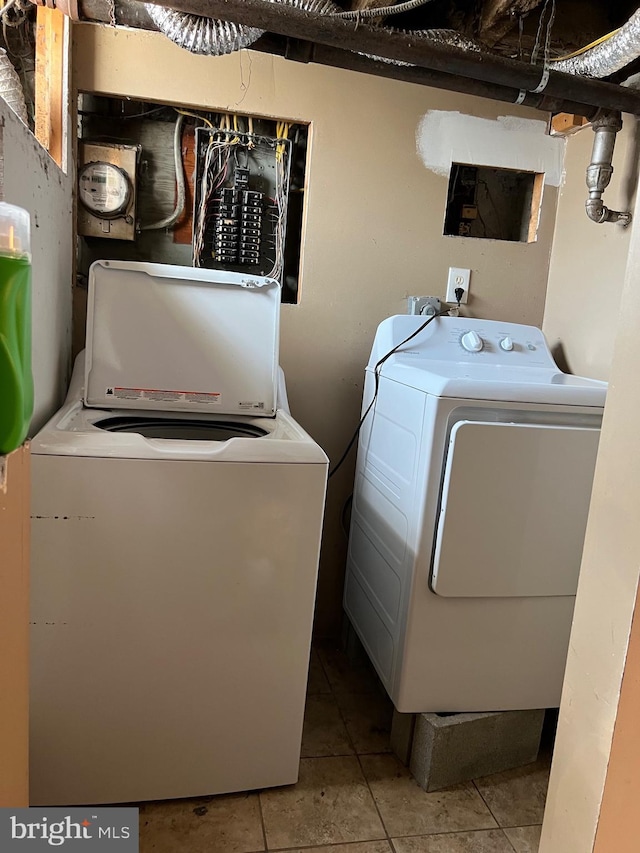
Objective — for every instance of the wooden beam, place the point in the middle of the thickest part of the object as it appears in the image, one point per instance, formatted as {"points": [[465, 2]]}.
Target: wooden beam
{"points": [[565, 123], [500, 16], [50, 67]]}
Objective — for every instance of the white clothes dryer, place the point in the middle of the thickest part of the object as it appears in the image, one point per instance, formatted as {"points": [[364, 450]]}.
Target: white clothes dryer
{"points": [[471, 496], [177, 514]]}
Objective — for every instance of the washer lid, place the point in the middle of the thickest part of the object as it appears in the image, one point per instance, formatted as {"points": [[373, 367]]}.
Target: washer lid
{"points": [[169, 338]]}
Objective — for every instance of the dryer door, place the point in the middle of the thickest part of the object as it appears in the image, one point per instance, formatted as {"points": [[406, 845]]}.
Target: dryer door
{"points": [[513, 513]]}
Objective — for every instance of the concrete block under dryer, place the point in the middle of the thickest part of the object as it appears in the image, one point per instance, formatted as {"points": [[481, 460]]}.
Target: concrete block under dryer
{"points": [[448, 749]]}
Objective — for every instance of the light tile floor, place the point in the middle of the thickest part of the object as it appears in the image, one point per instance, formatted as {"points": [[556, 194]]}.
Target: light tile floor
{"points": [[353, 795]]}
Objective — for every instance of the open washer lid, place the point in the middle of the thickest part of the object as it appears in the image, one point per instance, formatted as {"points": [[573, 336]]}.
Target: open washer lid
{"points": [[169, 338]]}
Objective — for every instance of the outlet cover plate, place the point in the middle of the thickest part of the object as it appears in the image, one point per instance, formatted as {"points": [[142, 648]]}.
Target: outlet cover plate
{"points": [[458, 278]]}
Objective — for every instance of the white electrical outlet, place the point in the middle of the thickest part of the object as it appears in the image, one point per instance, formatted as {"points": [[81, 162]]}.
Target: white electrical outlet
{"points": [[458, 278]]}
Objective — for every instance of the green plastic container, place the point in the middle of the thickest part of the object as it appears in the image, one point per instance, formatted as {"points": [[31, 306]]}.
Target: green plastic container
{"points": [[16, 380]]}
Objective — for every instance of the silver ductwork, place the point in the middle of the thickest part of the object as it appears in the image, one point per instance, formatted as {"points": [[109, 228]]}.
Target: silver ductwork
{"points": [[11, 88], [202, 35], [600, 170], [610, 56], [212, 37]]}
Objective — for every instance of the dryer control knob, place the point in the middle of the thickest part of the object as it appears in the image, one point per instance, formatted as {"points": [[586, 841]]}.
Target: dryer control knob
{"points": [[506, 344], [472, 342]]}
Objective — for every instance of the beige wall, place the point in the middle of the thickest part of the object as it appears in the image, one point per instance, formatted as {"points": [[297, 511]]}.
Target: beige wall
{"points": [[374, 220], [606, 598], [588, 260]]}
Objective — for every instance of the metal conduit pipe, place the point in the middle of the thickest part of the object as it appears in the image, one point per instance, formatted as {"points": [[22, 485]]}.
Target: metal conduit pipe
{"points": [[600, 170]]}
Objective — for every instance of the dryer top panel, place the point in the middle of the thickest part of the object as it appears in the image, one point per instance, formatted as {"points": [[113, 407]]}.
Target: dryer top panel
{"points": [[478, 360], [170, 338]]}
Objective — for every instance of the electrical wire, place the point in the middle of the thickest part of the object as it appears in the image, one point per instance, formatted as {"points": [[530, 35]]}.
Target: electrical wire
{"points": [[382, 12], [547, 36], [376, 372], [587, 47], [222, 142], [134, 115], [213, 179], [194, 115]]}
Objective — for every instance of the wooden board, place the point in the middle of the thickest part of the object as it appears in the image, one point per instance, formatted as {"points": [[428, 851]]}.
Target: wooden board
{"points": [[14, 628], [50, 69], [536, 204], [567, 123]]}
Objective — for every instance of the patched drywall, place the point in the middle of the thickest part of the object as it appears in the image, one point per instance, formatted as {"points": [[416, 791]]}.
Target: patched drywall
{"points": [[508, 142]]}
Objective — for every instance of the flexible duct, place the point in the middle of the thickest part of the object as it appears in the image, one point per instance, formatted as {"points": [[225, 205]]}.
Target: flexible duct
{"points": [[610, 56], [11, 88], [213, 37]]}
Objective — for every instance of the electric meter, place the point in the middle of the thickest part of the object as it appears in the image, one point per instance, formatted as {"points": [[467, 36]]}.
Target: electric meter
{"points": [[104, 189], [107, 189]]}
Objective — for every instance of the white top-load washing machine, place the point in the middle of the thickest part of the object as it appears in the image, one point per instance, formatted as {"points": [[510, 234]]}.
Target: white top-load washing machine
{"points": [[471, 496], [177, 515]]}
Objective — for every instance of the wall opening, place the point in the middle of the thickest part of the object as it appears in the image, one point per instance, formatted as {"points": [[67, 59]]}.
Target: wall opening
{"points": [[192, 187], [493, 204]]}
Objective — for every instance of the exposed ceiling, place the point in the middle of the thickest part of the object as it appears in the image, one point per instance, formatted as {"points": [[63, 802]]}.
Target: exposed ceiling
{"points": [[517, 38]]}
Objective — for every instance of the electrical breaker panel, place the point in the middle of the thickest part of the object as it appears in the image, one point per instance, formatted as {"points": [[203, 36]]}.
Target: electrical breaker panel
{"points": [[241, 200]]}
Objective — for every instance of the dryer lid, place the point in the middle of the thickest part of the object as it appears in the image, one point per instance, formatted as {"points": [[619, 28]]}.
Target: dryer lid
{"points": [[169, 338]]}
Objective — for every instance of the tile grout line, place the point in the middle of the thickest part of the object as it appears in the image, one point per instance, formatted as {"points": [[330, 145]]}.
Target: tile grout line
{"points": [[326, 844], [264, 828], [364, 776], [509, 842], [387, 837], [473, 782]]}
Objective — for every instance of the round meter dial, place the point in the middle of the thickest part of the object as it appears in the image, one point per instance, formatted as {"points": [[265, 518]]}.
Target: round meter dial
{"points": [[104, 189]]}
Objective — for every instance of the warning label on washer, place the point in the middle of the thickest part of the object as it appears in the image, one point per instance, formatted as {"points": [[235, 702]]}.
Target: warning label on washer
{"points": [[164, 395]]}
